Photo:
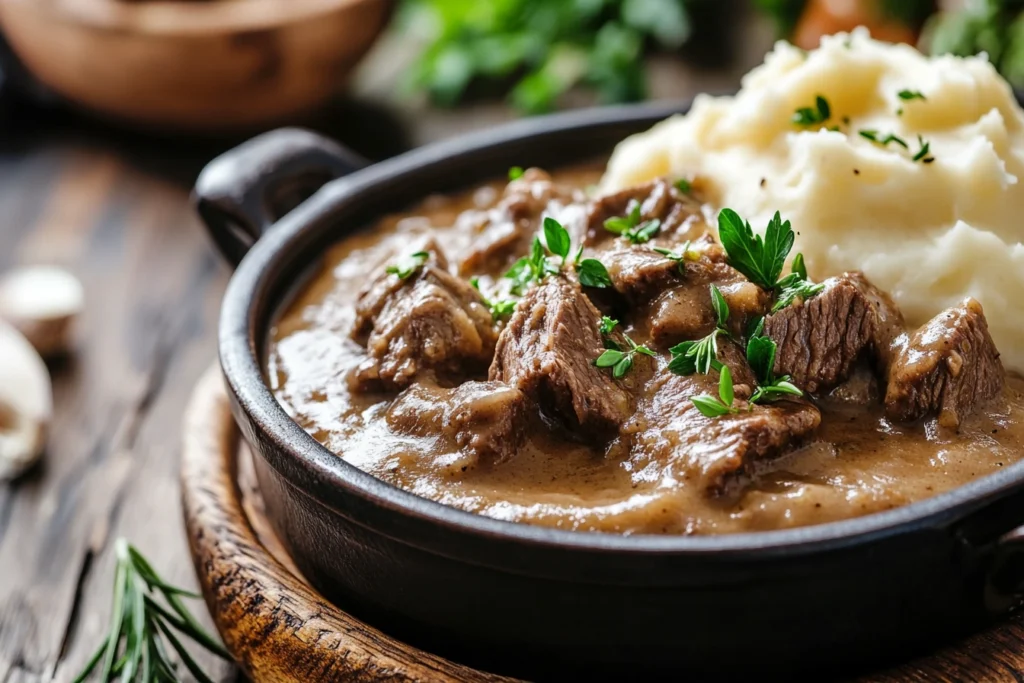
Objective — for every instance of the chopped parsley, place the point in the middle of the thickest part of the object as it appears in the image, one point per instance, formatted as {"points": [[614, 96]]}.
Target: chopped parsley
{"points": [[499, 309], [405, 267], [515, 173], [607, 325], [717, 406], [683, 185], [630, 227], [761, 260], [923, 155], [810, 116], [618, 360], [874, 136], [908, 95]]}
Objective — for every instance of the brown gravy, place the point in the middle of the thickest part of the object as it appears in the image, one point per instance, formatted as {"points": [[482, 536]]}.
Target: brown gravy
{"points": [[858, 462]]}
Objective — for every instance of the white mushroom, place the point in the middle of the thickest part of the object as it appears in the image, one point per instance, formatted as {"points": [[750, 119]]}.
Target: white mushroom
{"points": [[26, 403], [42, 302]]}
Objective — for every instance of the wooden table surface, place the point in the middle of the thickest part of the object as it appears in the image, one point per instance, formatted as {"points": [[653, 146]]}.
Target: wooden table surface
{"points": [[112, 206]]}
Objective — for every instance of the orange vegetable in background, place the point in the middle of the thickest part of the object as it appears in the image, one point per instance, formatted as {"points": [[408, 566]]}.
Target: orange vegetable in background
{"points": [[824, 17]]}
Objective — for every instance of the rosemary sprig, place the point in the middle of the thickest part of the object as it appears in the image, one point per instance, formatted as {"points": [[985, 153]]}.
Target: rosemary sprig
{"points": [[136, 645]]}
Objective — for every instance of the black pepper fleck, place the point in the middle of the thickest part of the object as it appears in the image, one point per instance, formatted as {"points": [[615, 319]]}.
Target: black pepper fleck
{"points": [[856, 171]]}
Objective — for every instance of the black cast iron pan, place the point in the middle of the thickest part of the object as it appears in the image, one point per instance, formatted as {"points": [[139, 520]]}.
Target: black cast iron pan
{"points": [[544, 603]]}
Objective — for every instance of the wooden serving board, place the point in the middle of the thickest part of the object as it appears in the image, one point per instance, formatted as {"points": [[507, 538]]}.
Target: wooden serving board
{"points": [[279, 629]]}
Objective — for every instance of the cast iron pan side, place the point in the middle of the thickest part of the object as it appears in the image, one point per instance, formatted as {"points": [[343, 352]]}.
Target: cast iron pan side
{"points": [[351, 531]]}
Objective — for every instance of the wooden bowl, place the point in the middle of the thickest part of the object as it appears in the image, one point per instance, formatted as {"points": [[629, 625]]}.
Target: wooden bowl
{"points": [[214, 65]]}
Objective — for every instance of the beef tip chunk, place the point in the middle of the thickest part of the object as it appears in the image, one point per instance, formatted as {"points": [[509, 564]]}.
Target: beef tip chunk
{"points": [[820, 340], [680, 214], [717, 454], [481, 419], [548, 349], [505, 232], [431, 320], [947, 368]]}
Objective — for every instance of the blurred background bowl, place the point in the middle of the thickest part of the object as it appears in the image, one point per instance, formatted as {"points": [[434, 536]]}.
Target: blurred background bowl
{"points": [[204, 65]]}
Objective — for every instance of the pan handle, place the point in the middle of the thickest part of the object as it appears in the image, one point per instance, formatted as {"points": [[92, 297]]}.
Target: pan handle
{"points": [[243, 192]]}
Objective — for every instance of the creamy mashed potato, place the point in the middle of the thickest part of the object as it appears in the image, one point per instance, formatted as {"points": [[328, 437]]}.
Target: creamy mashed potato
{"points": [[929, 233]]}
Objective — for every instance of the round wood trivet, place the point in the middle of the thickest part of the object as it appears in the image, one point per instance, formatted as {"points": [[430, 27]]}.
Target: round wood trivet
{"points": [[280, 629]]}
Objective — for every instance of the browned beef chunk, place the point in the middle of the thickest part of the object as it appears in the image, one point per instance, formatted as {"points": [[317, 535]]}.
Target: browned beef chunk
{"points": [[505, 232], [432, 320], [947, 368], [679, 213], [676, 299], [481, 419], [717, 454], [820, 340], [548, 349]]}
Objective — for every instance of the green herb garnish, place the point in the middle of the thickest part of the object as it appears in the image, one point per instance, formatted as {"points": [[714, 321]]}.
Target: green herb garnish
{"points": [[607, 325], [592, 273], [531, 268], [681, 256], [761, 260], [911, 95], [796, 284], [515, 173], [701, 356], [873, 135], [499, 309], [630, 227], [620, 361], [557, 238], [809, 116], [683, 185], [717, 406], [537, 265], [923, 155], [409, 265], [142, 630], [761, 357]]}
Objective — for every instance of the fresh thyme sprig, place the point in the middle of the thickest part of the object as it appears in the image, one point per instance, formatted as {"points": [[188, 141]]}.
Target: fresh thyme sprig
{"points": [[405, 267], [907, 95], [614, 357], [924, 154], [135, 648], [537, 265], [796, 284], [680, 257], [809, 116], [630, 227], [717, 406], [500, 308], [701, 356]]}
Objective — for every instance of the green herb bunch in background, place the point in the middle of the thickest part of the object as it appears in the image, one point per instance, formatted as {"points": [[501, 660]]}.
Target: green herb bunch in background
{"points": [[992, 26], [539, 49]]}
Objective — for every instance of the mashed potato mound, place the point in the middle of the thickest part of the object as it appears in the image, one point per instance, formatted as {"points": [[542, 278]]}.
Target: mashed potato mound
{"points": [[929, 233]]}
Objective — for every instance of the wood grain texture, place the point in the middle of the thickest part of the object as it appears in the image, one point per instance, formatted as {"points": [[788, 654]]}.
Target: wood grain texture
{"points": [[278, 628]]}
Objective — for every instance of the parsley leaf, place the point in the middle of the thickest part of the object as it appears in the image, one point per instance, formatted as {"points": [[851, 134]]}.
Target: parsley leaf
{"points": [[557, 238], [608, 324], [618, 360], [683, 185], [710, 406], [911, 95], [629, 226], [809, 116], [593, 273], [409, 265], [515, 173], [761, 260]]}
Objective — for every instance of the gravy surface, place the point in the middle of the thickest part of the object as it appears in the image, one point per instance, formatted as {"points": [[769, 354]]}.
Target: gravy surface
{"points": [[857, 463]]}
